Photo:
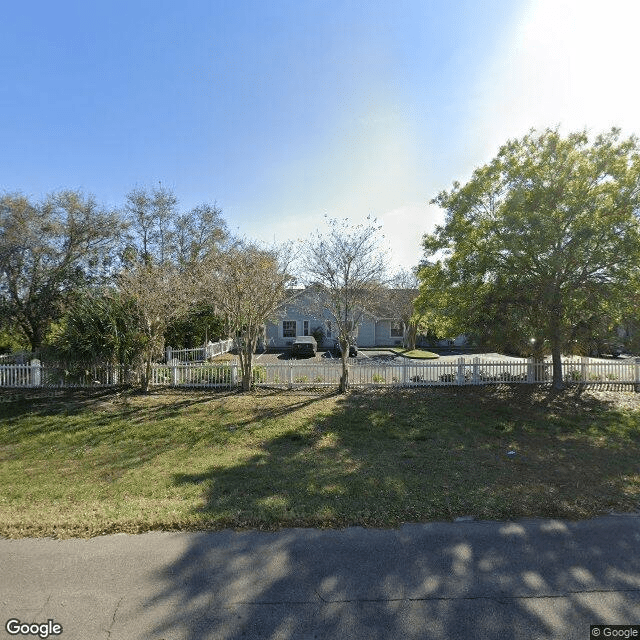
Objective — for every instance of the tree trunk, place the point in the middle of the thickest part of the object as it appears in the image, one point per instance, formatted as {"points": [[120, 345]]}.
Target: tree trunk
{"points": [[344, 378], [556, 350], [246, 363], [146, 375], [411, 337]]}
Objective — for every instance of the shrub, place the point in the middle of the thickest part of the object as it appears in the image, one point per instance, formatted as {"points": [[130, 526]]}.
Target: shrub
{"points": [[318, 334], [574, 375], [259, 375], [210, 374]]}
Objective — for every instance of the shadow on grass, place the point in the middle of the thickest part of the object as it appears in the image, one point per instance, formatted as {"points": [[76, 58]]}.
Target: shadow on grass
{"points": [[382, 458], [392, 457], [112, 432]]}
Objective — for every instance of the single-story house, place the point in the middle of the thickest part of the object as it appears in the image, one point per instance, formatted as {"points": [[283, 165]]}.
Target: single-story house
{"points": [[298, 317]]}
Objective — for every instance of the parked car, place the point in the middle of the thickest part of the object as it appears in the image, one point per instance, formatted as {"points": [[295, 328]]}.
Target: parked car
{"points": [[353, 349], [304, 346]]}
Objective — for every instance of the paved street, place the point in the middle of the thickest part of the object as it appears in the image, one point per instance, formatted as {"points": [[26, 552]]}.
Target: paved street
{"points": [[479, 580]]}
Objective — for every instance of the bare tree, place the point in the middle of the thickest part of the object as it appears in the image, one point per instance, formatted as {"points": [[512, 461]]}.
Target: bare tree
{"points": [[248, 284], [345, 267], [161, 294]]}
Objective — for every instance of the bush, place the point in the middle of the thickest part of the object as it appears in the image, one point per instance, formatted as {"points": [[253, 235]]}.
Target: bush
{"points": [[259, 375], [318, 334], [206, 374]]}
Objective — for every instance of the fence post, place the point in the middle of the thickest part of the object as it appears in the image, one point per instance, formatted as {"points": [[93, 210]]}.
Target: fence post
{"points": [[36, 373], [476, 370], [637, 385], [584, 373], [404, 373], [460, 379], [174, 371]]}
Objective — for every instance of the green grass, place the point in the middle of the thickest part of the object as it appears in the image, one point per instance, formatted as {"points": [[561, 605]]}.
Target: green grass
{"points": [[84, 464], [418, 354]]}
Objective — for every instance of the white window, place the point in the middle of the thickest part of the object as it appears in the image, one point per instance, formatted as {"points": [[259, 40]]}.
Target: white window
{"points": [[305, 327], [289, 329]]}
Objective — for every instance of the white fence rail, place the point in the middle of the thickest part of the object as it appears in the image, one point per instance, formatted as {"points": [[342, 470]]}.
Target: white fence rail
{"points": [[199, 354], [35, 374], [365, 373]]}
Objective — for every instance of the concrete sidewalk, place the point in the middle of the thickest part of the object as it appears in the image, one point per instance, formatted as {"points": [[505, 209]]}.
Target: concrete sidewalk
{"points": [[476, 580]]}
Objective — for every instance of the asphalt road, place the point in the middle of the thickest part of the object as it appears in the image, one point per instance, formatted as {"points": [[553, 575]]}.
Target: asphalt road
{"points": [[475, 580]]}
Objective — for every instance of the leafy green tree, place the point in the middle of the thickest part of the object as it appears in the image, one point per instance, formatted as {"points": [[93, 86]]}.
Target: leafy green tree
{"points": [[198, 233], [101, 326], [542, 240], [159, 233], [49, 250], [202, 323]]}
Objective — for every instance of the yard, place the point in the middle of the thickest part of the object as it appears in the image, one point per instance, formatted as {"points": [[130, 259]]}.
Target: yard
{"points": [[88, 463]]}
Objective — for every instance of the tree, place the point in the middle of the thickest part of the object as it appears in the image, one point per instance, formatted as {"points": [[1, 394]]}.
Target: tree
{"points": [[247, 283], [197, 233], [403, 296], [202, 323], [48, 250], [161, 294], [345, 268], [101, 326], [159, 233], [540, 241]]}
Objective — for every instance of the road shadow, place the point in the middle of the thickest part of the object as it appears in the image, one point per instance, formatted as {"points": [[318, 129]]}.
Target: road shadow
{"points": [[537, 578]]}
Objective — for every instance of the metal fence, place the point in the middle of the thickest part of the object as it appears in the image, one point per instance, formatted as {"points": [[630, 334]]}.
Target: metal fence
{"points": [[362, 373]]}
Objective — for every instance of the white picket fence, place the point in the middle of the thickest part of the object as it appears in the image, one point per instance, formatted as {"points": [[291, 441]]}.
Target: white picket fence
{"points": [[292, 374], [35, 374], [199, 354]]}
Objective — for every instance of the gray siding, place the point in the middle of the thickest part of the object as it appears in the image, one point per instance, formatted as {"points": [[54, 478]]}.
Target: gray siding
{"points": [[371, 332], [367, 333]]}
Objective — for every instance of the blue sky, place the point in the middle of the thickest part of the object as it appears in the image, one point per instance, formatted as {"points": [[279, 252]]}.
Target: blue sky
{"points": [[283, 111]]}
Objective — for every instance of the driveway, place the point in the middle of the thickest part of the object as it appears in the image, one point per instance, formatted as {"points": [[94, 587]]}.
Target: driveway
{"points": [[528, 580]]}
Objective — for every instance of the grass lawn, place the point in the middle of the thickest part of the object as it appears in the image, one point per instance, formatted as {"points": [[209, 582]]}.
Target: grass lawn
{"points": [[87, 463], [418, 354]]}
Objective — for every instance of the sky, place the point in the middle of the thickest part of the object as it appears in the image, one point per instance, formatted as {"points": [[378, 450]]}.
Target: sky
{"points": [[287, 111]]}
